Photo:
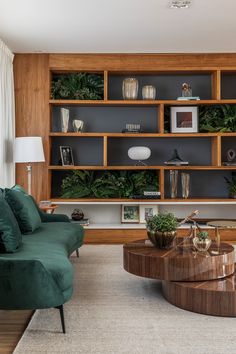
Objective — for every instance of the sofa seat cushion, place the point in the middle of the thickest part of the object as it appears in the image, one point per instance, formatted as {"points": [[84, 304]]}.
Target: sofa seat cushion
{"points": [[51, 244], [24, 209]]}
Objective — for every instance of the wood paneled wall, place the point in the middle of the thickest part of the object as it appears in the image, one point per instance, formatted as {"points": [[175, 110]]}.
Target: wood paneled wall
{"points": [[32, 72]]}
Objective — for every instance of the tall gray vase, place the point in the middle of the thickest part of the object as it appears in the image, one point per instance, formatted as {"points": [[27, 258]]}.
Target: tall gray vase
{"points": [[174, 183]]}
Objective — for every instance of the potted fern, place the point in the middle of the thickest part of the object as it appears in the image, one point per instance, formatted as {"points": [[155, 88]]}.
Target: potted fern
{"points": [[161, 230]]}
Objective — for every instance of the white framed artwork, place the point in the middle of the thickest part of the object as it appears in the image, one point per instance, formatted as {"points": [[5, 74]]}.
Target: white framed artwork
{"points": [[147, 211], [184, 119]]}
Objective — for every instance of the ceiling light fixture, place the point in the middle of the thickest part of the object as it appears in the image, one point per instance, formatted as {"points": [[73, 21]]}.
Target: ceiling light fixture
{"points": [[180, 4]]}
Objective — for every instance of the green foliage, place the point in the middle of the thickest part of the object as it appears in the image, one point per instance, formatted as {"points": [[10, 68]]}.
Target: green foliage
{"points": [[202, 235], [231, 184], [108, 184], [162, 223], [77, 86], [219, 118]]}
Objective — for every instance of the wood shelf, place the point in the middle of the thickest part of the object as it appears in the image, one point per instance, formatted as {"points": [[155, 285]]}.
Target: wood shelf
{"points": [[142, 135], [167, 168], [168, 201], [140, 102]]}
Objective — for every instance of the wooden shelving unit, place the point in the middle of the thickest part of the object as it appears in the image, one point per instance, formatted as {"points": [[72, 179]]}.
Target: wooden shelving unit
{"points": [[213, 81]]}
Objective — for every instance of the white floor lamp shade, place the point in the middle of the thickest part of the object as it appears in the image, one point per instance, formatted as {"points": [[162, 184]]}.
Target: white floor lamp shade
{"points": [[29, 149]]}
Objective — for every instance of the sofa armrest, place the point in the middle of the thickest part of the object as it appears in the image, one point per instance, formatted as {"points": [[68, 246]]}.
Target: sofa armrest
{"points": [[53, 217], [27, 284]]}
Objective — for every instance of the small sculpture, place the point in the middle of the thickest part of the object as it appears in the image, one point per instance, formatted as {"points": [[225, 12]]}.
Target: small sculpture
{"points": [[186, 90], [231, 155], [176, 160], [77, 215], [78, 125]]}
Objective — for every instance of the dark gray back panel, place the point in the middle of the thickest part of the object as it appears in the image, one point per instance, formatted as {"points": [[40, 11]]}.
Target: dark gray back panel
{"points": [[195, 150], [109, 119], [228, 86], [227, 143], [203, 184], [168, 87], [86, 151]]}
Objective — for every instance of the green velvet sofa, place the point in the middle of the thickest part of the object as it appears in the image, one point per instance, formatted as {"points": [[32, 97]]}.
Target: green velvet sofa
{"points": [[39, 274]]}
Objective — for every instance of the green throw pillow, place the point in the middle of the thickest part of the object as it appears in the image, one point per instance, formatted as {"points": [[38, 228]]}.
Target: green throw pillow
{"points": [[24, 209], [10, 235]]}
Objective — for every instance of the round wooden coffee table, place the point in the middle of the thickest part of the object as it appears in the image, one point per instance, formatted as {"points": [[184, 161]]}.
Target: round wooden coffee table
{"points": [[197, 282]]}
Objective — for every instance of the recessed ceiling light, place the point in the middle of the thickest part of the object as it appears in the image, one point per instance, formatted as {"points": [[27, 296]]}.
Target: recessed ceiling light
{"points": [[180, 4]]}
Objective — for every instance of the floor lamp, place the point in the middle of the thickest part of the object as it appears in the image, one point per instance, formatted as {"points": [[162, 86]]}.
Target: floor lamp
{"points": [[26, 150]]}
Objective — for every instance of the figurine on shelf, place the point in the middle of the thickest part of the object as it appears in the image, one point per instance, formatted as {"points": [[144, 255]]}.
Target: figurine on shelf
{"points": [[231, 158], [78, 125], [176, 160], [187, 93]]}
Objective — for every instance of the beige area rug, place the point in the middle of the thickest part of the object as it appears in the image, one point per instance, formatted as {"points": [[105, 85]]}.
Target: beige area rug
{"points": [[115, 312]]}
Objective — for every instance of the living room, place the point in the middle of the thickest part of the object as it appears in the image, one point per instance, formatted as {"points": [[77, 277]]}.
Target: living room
{"points": [[118, 176]]}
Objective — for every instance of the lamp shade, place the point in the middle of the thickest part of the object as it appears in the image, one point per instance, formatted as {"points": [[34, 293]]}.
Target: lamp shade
{"points": [[29, 149], [139, 153]]}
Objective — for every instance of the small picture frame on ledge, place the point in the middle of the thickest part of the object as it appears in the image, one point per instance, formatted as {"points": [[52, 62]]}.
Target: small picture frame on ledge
{"points": [[66, 156], [184, 119], [147, 211], [130, 213]]}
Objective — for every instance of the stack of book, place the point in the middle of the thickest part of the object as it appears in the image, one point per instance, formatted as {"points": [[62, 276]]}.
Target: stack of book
{"points": [[82, 222]]}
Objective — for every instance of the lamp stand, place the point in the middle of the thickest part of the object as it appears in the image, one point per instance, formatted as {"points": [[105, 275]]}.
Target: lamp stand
{"points": [[29, 176]]}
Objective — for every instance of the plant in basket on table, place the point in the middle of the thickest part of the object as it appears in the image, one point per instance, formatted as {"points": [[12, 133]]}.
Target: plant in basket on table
{"points": [[161, 230]]}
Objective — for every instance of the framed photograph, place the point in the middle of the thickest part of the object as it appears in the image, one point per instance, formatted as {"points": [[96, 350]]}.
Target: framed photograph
{"points": [[66, 156], [184, 119], [147, 211], [130, 213]]}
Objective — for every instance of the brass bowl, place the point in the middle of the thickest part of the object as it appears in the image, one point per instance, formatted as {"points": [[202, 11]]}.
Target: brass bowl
{"points": [[161, 240]]}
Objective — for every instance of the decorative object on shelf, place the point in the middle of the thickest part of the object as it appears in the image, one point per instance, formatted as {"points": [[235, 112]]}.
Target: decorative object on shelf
{"points": [[130, 88], [161, 230], [26, 150], [176, 160], [82, 222], [186, 90], [65, 115], [218, 118], [108, 184], [148, 92], [77, 215], [66, 156], [139, 154], [174, 183], [78, 125], [132, 128], [187, 93], [202, 241], [185, 181], [77, 86], [48, 209], [231, 185], [147, 211], [130, 213], [184, 119], [231, 154]]}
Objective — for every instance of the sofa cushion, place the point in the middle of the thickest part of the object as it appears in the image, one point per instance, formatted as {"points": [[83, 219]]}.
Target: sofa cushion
{"points": [[10, 235], [24, 209]]}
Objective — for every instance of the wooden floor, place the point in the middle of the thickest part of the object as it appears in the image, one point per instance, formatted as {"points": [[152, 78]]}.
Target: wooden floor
{"points": [[12, 326]]}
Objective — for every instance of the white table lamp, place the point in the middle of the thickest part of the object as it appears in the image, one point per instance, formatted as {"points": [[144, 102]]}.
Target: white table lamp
{"points": [[28, 149]]}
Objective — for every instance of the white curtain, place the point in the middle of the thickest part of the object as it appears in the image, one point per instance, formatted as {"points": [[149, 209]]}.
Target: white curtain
{"points": [[7, 117]]}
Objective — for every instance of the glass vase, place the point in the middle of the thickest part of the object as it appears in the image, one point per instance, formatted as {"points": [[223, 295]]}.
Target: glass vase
{"points": [[185, 180], [149, 92], [130, 88], [173, 183], [202, 245]]}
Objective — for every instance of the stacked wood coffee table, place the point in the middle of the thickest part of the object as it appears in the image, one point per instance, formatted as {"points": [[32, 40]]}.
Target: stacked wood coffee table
{"points": [[203, 283]]}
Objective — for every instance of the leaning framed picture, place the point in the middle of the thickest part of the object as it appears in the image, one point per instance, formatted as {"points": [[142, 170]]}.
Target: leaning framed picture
{"points": [[66, 156], [129, 213], [147, 211], [184, 119]]}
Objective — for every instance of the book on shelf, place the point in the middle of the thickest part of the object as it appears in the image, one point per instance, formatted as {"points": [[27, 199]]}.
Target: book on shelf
{"points": [[189, 98], [82, 222]]}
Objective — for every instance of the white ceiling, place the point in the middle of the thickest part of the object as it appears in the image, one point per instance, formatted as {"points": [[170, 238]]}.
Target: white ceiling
{"points": [[126, 26]]}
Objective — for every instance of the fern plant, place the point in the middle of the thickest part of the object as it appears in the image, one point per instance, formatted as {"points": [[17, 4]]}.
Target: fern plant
{"points": [[219, 118], [77, 86], [108, 184]]}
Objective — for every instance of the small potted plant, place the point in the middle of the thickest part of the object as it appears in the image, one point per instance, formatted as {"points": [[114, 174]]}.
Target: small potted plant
{"points": [[231, 186], [161, 230], [202, 241]]}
